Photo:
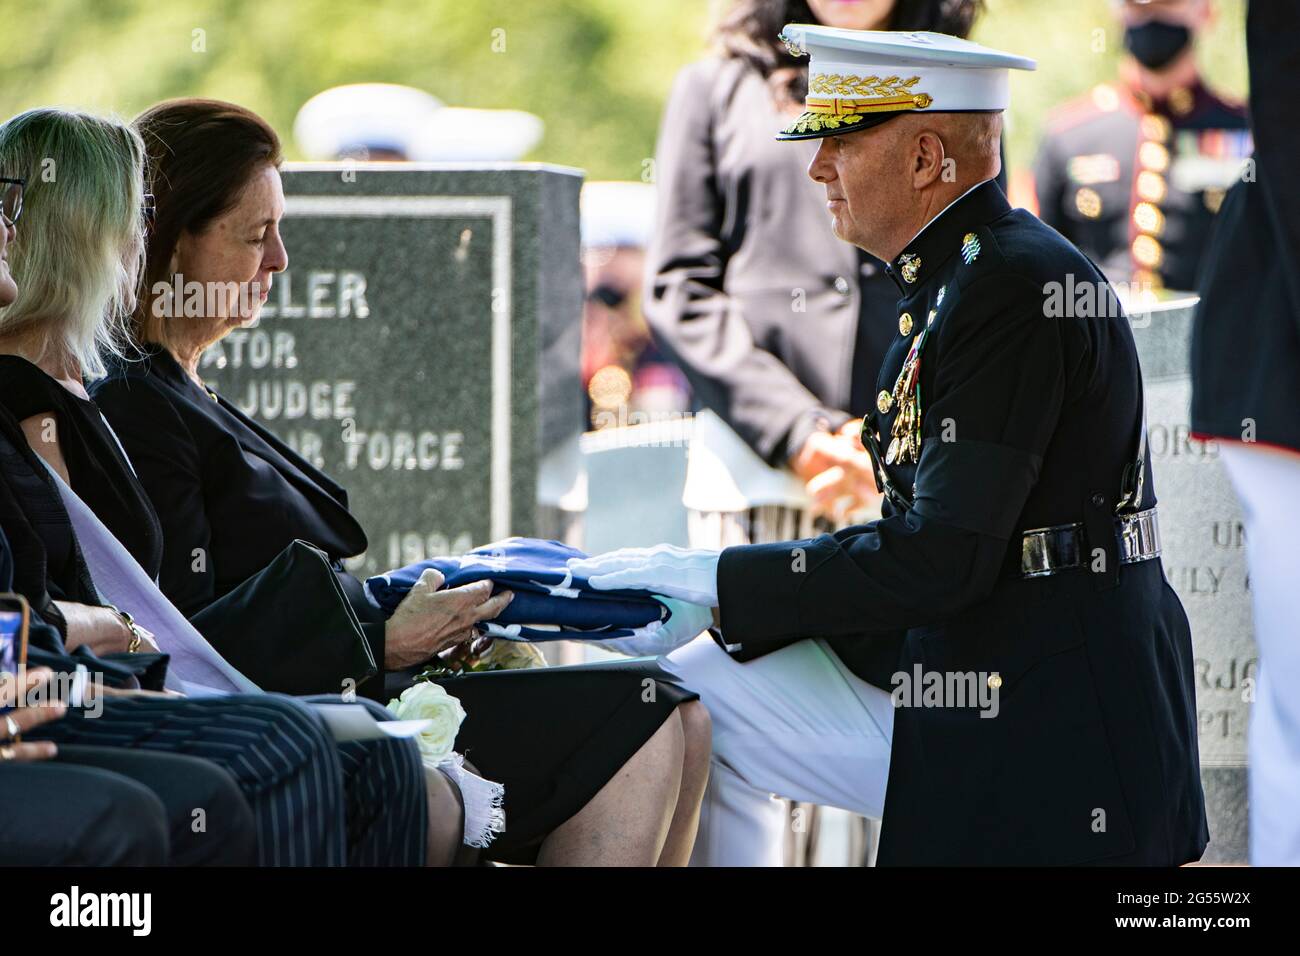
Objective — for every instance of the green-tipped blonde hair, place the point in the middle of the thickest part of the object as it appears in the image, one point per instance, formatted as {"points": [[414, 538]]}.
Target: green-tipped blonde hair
{"points": [[78, 255]]}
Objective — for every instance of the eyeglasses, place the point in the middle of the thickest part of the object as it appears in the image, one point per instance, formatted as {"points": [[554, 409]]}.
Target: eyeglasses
{"points": [[11, 199]]}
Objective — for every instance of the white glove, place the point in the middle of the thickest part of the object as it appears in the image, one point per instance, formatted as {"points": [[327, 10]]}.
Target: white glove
{"points": [[662, 637], [687, 574]]}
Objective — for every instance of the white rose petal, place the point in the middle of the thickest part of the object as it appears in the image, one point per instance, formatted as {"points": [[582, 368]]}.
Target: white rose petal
{"points": [[429, 701]]}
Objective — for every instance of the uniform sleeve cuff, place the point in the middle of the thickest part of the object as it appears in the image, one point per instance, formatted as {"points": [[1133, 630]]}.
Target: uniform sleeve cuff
{"points": [[758, 589]]}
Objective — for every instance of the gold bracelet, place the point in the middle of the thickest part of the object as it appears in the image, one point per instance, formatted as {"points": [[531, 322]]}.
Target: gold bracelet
{"points": [[136, 637]]}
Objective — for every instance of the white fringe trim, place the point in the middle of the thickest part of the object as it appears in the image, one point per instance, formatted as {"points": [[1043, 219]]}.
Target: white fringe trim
{"points": [[484, 800]]}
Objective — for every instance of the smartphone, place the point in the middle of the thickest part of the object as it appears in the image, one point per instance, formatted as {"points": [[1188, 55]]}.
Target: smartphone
{"points": [[15, 618]]}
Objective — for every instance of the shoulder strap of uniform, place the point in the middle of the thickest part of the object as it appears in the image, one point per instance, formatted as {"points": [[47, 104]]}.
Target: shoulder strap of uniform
{"points": [[1130, 489]]}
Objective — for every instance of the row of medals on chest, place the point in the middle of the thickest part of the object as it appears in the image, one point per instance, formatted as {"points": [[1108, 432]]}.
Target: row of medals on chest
{"points": [[905, 436]]}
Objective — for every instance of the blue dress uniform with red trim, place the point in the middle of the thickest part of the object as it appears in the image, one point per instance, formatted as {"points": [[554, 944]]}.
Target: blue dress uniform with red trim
{"points": [[1135, 182]]}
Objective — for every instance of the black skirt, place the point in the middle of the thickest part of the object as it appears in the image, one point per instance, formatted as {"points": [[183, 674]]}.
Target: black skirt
{"points": [[554, 736]]}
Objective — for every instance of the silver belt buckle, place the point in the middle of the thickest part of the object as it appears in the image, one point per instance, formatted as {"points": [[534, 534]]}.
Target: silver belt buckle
{"points": [[1045, 551], [1139, 537]]}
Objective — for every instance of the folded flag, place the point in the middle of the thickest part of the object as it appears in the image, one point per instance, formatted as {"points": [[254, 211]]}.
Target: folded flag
{"points": [[551, 603]]}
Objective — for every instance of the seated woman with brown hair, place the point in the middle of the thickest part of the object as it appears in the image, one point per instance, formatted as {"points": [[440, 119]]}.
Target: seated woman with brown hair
{"points": [[596, 767]]}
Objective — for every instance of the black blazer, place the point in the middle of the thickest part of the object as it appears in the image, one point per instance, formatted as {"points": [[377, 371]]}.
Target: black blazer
{"points": [[39, 542], [41, 560], [97, 469], [1246, 341], [229, 494], [772, 318], [1029, 420]]}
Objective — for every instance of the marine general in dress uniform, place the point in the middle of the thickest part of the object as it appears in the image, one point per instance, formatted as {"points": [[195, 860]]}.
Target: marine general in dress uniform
{"points": [[1016, 561], [1134, 172]]}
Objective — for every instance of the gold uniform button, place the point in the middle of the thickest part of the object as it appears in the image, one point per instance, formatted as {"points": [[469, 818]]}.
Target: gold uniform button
{"points": [[1088, 202], [1153, 156], [905, 324], [1148, 252], [1151, 186], [995, 680], [884, 402], [1154, 126], [1148, 217]]}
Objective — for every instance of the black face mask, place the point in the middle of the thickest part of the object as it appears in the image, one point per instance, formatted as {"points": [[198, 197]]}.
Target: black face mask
{"points": [[1156, 43]]}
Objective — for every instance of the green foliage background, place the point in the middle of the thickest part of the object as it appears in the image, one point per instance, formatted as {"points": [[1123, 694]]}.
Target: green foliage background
{"points": [[596, 71]]}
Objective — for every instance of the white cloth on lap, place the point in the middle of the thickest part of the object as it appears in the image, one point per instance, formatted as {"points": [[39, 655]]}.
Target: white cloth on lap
{"points": [[796, 723]]}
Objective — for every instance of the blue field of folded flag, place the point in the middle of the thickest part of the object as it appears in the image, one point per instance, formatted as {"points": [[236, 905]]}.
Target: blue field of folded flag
{"points": [[550, 602]]}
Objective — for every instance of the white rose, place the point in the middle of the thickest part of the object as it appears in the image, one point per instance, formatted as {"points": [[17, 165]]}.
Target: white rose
{"points": [[428, 701]]}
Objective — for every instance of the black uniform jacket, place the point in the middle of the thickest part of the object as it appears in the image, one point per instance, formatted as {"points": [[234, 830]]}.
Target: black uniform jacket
{"points": [[1135, 183], [222, 483], [1028, 420], [1246, 343]]}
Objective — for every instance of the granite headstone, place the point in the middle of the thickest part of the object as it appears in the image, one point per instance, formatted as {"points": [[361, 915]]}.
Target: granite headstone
{"points": [[422, 347], [1205, 560]]}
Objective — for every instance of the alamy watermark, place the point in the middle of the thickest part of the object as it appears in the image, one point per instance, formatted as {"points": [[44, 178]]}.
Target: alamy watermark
{"points": [[195, 300], [1095, 298], [948, 689]]}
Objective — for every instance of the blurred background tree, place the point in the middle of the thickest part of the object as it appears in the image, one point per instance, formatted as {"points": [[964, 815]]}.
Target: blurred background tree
{"points": [[596, 71]]}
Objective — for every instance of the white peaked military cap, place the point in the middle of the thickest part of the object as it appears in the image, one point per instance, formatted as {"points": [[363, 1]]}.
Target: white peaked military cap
{"points": [[860, 78], [363, 118], [458, 134], [617, 214]]}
